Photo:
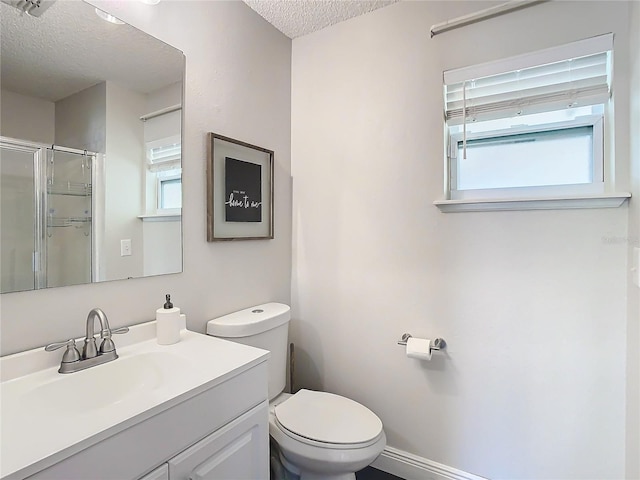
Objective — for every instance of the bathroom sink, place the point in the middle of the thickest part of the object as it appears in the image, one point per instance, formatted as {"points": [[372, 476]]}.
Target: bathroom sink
{"points": [[48, 416], [104, 385]]}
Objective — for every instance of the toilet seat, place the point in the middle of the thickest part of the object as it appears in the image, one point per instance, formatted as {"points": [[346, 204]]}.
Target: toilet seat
{"points": [[327, 420]]}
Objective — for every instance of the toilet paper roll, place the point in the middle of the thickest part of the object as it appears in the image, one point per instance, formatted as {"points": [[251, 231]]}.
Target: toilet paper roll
{"points": [[419, 348]]}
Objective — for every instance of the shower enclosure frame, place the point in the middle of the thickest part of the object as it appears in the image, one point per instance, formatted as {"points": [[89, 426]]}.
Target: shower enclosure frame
{"points": [[40, 156]]}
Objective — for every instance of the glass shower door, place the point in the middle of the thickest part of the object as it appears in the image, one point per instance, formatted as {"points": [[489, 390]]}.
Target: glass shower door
{"points": [[19, 230], [68, 206]]}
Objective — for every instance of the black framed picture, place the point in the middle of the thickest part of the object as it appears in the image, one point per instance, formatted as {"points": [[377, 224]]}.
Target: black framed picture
{"points": [[239, 190]]}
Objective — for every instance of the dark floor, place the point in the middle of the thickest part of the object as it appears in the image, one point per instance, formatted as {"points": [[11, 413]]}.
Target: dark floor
{"points": [[371, 473]]}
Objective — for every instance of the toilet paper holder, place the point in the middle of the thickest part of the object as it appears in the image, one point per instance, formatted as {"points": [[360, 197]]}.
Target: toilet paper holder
{"points": [[436, 344]]}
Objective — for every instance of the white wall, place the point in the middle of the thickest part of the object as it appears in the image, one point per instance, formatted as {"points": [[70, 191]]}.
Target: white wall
{"points": [[633, 328], [124, 177], [164, 97], [532, 304], [26, 118], [159, 238], [237, 84], [81, 119]]}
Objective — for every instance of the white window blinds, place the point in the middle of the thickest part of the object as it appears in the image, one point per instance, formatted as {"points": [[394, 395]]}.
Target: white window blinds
{"points": [[575, 74], [164, 154]]}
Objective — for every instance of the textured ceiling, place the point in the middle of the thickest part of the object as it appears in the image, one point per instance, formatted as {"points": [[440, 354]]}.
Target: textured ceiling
{"points": [[69, 48], [295, 18]]}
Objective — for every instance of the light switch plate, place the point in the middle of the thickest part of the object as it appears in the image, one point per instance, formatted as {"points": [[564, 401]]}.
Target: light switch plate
{"points": [[125, 247]]}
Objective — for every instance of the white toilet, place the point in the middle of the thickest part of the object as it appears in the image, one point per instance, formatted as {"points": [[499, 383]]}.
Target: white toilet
{"points": [[321, 436]]}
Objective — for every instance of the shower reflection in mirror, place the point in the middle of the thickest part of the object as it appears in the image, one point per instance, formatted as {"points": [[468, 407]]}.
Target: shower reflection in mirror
{"points": [[47, 233]]}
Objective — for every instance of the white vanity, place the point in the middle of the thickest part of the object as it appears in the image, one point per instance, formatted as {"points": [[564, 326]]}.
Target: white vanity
{"points": [[197, 409]]}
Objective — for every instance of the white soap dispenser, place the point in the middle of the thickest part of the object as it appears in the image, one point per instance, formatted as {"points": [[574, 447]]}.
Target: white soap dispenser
{"points": [[168, 323]]}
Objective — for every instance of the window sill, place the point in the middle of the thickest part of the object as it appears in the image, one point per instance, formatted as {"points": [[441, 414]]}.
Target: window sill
{"points": [[605, 200], [160, 217]]}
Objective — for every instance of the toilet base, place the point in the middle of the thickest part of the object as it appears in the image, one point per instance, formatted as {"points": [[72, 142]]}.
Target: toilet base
{"points": [[309, 462], [317, 476], [294, 472]]}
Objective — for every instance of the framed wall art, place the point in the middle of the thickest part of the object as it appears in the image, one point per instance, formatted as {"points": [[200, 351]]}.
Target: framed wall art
{"points": [[239, 190]]}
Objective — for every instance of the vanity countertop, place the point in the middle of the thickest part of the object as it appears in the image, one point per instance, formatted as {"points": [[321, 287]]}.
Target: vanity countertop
{"points": [[47, 416]]}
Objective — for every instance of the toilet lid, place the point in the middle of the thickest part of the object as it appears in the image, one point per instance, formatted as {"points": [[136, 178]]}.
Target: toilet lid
{"points": [[328, 418]]}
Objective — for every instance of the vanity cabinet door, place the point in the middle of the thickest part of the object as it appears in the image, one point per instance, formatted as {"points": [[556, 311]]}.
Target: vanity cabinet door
{"points": [[160, 473], [238, 451]]}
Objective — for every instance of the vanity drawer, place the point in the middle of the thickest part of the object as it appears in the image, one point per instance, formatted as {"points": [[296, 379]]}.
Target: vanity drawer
{"points": [[238, 450]]}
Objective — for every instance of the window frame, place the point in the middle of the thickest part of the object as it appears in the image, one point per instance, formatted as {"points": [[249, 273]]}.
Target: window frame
{"points": [[160, 193], [596, 186], [156, 174], [551, 97]]}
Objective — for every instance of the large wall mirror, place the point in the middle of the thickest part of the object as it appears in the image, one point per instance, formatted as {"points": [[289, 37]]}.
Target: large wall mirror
{"points": [[90, 153]]}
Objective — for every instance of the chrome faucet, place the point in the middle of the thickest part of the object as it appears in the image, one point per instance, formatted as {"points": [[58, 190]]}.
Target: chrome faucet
{"points": [[89, 350], [72, 361]]}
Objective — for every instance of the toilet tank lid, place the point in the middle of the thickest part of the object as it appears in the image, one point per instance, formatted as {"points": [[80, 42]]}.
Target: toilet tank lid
{"points": [[250, 321]]}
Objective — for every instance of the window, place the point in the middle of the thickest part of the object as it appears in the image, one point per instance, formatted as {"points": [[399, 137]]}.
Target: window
{"points": [[531, 126], [529, 154], [164, 175], [169, 192]]}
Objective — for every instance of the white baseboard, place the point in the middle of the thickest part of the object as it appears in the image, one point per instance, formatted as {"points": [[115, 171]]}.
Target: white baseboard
{"points": [[412, 467]]}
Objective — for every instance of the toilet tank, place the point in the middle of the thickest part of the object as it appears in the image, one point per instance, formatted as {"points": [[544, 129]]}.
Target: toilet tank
{"points": [[264, 326]]}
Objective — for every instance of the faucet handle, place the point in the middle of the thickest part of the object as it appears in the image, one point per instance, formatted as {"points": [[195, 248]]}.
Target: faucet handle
{"points": [[71, 354], [107, 344], [55, 346], [119, 330]]}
